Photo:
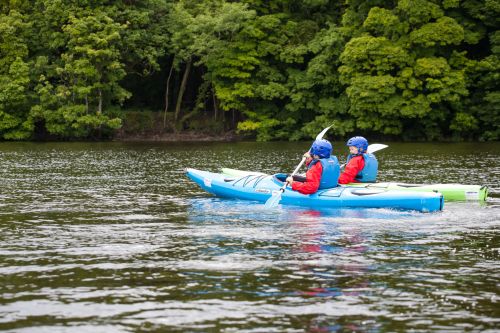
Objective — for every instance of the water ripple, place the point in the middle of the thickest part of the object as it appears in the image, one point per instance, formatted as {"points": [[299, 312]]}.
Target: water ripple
{"points": [[111, 237]]}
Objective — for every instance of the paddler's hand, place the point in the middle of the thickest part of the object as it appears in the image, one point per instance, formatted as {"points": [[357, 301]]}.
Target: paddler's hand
{"points": [[289, 181], [308, 157]]}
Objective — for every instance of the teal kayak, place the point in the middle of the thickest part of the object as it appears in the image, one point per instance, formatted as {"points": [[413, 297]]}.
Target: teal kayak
{"points": [[451, 192], [261, 187]]}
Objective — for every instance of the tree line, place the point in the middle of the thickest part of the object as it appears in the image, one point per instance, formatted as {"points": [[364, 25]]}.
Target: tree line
{"points": [[276, 70]]}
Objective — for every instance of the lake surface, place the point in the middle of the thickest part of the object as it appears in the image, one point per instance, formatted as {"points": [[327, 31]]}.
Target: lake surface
{"points": [[112, 237]]}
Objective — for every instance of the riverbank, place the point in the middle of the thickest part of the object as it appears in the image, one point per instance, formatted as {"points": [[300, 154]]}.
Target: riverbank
{"points": [[174, 137]]}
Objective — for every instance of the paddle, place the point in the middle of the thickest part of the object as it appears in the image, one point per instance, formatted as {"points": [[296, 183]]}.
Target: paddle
{"points": [[371, 149], [375, 147], [275, 198]]}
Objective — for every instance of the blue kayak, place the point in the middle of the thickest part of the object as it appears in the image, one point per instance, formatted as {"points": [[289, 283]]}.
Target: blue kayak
{"points": [[261, 188]]}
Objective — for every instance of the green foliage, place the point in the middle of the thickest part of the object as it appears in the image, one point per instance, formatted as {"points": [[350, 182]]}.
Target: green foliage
{"points": [[67, 60], [373, 55], [408, 66], [267, 129], [418, 12], [89, 73], [414, 69], [14, 76], [463, 122], [382, 22], [206, 125], [450, 32], [138, 122], [483, 104], [144, 35]]}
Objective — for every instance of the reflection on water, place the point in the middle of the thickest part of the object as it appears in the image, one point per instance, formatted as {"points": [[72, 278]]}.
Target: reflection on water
{"points": [[112, 237]]}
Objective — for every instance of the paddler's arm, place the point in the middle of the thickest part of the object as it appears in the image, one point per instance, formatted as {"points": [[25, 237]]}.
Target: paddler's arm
{"points": [[313, 178]]}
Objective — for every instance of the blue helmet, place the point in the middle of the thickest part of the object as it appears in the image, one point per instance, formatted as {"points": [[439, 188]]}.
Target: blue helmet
{"points": [[322, 148], [358, 142]]}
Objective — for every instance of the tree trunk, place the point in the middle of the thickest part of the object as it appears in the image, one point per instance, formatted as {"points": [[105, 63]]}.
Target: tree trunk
{"points": [[182, 89], [216, 107], [99, 107], [99, 112], [167, 89], [187, 116]]}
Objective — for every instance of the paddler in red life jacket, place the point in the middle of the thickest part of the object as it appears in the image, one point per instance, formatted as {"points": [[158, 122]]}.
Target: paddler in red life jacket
{"points": [[323, 170], [361, 167]]}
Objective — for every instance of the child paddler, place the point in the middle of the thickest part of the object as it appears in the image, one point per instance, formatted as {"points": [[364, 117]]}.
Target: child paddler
{"points": [[361, 167], [323, 169]]}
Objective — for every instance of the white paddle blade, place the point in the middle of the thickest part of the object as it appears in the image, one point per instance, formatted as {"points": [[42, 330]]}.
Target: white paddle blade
{"points": [[375, 147], [322, 134], [273, 201]]}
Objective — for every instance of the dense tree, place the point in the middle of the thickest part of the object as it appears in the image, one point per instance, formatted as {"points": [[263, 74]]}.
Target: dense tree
{"points": [[478, 115], [14, 76], [283, 69], [400, 68]]}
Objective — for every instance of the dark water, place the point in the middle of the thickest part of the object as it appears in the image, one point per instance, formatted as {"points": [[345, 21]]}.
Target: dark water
{"points": [[112, 237]]}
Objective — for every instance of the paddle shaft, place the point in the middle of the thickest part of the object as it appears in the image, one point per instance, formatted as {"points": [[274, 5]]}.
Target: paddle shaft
{"points": [[318, 137], [282, 189], [298, 166], [275, 199]]}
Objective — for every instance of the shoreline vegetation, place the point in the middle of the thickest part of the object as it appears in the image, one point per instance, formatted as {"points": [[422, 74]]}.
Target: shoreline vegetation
{"points": [[176, 137], [171, 137], [408, 70], [149, 126]]}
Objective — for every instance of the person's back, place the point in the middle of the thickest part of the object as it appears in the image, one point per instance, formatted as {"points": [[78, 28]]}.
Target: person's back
{"points": [[323, 169], [361, 166]]}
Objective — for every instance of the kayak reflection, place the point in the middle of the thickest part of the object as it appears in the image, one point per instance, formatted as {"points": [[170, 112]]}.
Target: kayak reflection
{"points": [[334, 258], [317, 259]]}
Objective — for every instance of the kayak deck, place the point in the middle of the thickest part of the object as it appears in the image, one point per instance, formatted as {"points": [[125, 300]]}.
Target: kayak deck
{"points": [[451, 192]]}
